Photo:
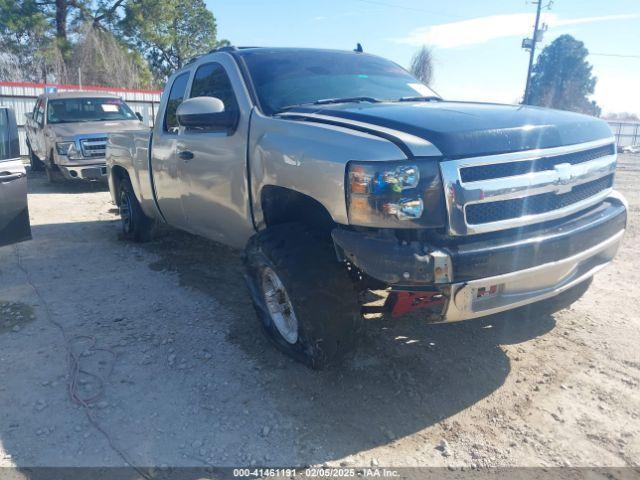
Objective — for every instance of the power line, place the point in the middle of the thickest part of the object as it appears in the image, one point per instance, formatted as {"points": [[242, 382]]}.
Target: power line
{"points": [[615, 55], [404, 7]]}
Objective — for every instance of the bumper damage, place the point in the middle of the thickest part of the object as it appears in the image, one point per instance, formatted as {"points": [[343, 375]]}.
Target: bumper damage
{"points": [[84, 172], [492, 273]]}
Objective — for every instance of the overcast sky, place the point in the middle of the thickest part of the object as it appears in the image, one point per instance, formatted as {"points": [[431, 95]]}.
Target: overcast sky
{"points": [[476, 43]]}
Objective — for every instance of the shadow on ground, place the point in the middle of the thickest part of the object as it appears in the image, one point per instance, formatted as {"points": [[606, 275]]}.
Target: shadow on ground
{"points": [[405, 376], [38, 184]]}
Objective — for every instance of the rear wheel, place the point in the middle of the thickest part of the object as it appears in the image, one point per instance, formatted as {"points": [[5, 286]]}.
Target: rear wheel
{"points": [[303, 297], [134, 223]]}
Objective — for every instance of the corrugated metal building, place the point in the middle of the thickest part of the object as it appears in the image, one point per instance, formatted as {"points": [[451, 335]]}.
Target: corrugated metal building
{"points": [[627, 133], [22, 98]]}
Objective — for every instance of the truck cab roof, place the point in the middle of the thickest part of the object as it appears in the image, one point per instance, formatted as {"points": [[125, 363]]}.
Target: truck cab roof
{"points": [[63, 95]]}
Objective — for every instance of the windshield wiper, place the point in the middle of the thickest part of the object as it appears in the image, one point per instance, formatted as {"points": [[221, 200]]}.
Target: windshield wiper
{"points": [[328, 101], [429, 98]]}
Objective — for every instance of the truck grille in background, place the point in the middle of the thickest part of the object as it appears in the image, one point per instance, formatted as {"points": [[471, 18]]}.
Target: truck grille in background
{"points": [[501, 170], [93, 147], [536, 204], [499, 192]]}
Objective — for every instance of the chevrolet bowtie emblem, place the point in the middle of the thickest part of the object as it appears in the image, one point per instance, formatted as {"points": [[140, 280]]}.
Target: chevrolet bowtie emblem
{"points": [[564, 178]]}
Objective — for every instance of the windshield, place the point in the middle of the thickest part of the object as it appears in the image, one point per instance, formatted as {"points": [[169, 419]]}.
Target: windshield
{"points": [[71, 110], [288, 77]]}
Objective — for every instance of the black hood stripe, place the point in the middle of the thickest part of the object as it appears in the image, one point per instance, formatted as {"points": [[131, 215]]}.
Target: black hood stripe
{"points": [[404, 141]]}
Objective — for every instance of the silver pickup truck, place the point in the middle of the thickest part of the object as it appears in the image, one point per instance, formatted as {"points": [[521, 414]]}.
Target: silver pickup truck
{"points": [[338, 172], [67, 133]]}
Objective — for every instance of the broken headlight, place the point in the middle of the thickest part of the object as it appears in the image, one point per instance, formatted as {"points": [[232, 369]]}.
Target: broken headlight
{"points": [[68, 149], [395, 194]]}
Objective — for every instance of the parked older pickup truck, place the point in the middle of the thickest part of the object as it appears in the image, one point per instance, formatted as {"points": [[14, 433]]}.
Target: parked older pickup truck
{"points": [[67, 133], [339, 172]]}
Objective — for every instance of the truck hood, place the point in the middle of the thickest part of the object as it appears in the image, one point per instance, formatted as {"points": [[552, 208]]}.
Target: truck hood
{"points": [[69, 130], [460, 129]]}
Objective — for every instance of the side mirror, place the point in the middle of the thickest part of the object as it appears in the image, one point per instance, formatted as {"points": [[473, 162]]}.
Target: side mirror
{"points": [[139, 115], [29, 115], [206, 113]]}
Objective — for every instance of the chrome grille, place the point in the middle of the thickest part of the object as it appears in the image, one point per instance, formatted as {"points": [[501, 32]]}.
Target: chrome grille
{"points": [[501, 170], [93, 147], [498, 192], [546, 202]]}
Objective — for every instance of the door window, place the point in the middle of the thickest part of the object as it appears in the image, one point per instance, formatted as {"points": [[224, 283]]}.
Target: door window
{"points": [[39, 114], [176, 96], [211, 80], [5, 135]]}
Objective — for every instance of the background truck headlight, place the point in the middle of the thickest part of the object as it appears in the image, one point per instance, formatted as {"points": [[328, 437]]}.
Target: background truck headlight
{"points": [[69, 149], [395, 194], [64, 147]]}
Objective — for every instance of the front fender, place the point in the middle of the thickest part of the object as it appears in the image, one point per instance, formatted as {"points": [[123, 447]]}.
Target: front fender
{"points": [[309, 158]]}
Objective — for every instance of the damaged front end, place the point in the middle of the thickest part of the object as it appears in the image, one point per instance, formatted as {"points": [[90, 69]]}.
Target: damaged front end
{"points": [[459, 278]]}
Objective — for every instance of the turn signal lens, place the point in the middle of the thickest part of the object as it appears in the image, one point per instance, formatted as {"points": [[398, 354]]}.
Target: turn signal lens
{"points": [[359, 180]]}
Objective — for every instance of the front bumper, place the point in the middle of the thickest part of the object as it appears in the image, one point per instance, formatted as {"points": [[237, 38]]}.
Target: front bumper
{"points": [[95, 171], [488, 274]]}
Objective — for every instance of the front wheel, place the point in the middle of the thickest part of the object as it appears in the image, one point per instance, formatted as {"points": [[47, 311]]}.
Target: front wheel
{"points": [[134, 223], [303, 297], [36, 164], [54, 175]]}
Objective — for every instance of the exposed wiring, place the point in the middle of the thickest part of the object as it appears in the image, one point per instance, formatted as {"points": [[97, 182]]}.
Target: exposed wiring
{"points": [[75, 368]]}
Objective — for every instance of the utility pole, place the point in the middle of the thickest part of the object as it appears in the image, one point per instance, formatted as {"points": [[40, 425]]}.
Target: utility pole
{"points": [[530, 44]]}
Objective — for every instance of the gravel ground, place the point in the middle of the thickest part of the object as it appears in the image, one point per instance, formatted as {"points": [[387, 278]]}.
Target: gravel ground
{"points": [[188, 378]]}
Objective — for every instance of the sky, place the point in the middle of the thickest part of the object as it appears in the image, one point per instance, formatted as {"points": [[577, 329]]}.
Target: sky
{"points": [[476, 43]]}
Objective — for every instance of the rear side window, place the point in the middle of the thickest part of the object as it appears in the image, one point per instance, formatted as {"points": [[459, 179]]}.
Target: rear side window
{"points": [[176, 96], [211, 80]]}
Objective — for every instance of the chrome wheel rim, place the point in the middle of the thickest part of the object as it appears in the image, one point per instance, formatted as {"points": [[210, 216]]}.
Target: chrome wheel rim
{"points": [[125, 211], [279, 306]]}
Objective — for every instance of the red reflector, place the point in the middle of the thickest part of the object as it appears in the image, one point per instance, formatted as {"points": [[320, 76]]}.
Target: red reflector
{"points": [[487, 292]]}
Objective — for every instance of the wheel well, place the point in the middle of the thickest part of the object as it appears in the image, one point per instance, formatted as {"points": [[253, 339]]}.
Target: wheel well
{"points": [[118, 174], [283, 205]]}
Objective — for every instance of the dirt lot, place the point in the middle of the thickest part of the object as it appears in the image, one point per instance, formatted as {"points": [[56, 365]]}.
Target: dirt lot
{"points": [[190, 380]]}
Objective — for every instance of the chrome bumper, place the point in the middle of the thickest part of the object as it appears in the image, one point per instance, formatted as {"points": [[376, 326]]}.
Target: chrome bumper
{"points": [[491, 295]]}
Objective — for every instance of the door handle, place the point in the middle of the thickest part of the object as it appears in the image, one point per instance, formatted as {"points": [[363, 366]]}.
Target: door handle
{"points": [[185, 155], [8, 177]]}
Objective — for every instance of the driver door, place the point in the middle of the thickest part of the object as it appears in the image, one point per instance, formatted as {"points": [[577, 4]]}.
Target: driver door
{"points": [[14, 213]]}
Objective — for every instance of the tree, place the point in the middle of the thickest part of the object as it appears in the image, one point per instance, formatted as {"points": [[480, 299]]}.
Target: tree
{"points": [[169, 32], [422, 65], [24, 33], [41, 33], [562, 77], [104, 60]]}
